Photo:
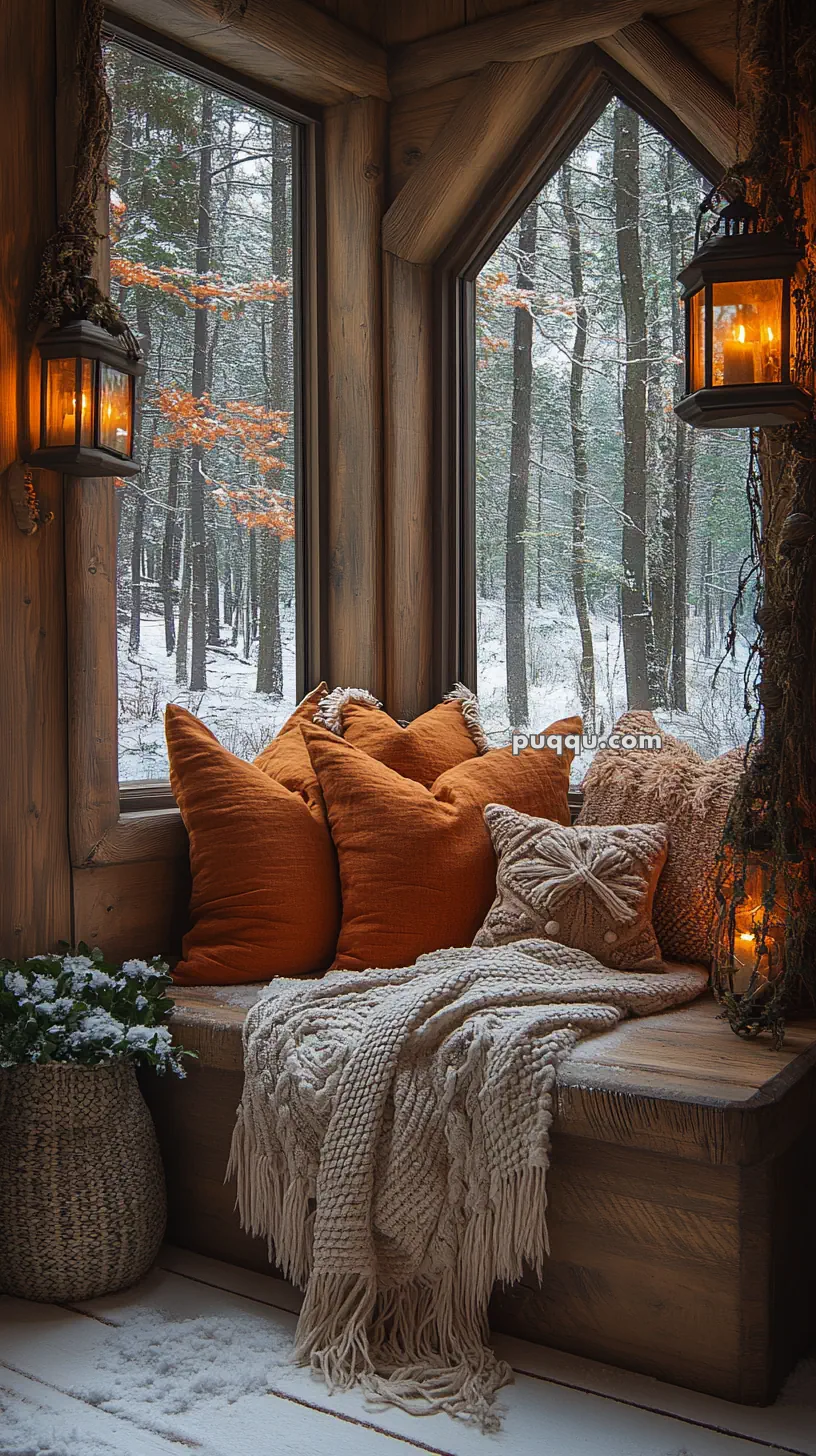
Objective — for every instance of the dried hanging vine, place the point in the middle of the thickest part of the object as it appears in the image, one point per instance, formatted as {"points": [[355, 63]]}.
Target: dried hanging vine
{"points": [[773, 814], [66, 288]]}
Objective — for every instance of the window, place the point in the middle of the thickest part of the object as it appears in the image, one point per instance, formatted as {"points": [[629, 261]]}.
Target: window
{"points": [[203, 219], [608, 535]]}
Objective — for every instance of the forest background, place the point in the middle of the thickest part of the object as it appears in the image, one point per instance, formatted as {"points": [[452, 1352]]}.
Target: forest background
{"points": [[609, 536]]}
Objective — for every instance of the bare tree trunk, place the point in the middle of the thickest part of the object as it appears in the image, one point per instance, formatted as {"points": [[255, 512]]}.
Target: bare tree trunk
{"points": [[707, 587], [237, 583], [660, 511], [514, 568], [275, 357], [270, 652], [168, 552], [634, 591], [213, 590], [586, 679], [682, 463], [136, 574], [184, 604], [198, 527], [253, 584]]}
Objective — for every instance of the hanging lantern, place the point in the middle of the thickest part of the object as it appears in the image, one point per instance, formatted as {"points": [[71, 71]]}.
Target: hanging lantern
{"points": [[739, 343], [759, 933], [87, 397]]}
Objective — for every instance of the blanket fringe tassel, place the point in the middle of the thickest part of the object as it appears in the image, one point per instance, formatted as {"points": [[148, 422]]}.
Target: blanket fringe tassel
{"points": [[424, 1345]]}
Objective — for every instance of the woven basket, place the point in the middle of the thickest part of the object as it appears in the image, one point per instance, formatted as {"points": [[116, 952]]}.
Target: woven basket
{"points": [[82, 1200]]}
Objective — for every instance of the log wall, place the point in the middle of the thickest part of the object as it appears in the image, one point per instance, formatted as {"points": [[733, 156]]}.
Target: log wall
{"points": [[429, 112]]}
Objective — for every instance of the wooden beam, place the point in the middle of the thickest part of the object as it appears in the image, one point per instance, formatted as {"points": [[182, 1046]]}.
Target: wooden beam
{"points": [[90, 574], [146, 835], [488, 124], [355, 153], [35, 885], [662, 64], [522, 35], [408, 310], [414, 121], [281, 42]]}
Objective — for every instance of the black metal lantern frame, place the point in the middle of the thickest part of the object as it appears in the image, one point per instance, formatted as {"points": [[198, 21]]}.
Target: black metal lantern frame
{"points": [[87, 402], [732, 380]]}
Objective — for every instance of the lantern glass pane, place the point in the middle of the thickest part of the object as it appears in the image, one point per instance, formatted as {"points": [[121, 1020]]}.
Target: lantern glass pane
{"points": [[747, 332], [87, 396], [115, 415], [60, 402], [696, 305]]}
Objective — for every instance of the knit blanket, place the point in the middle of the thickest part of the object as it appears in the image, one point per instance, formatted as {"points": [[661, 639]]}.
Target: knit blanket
{"points": [[392, 1146]]}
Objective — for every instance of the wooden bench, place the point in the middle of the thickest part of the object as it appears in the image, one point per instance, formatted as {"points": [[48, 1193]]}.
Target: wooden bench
{"points": [[682, 1194]]}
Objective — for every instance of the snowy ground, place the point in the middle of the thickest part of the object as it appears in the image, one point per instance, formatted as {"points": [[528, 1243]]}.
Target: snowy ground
{"points": [[715, 722], [244, 721], [198, 1357]]}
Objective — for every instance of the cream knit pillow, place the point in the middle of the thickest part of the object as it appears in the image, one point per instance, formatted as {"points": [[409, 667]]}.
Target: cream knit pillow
{"points": [[590, 888], [670, 785]]}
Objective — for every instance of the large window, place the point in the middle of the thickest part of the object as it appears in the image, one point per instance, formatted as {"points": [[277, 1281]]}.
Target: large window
{"points": [[203, 217], [609, 536]]}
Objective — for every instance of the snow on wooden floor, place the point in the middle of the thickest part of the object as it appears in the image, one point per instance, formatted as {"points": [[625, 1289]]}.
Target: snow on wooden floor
{"points": [[196, 1359]]}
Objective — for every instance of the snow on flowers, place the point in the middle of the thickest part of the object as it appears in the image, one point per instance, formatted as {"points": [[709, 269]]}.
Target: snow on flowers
{"points": [[77, 1008]]}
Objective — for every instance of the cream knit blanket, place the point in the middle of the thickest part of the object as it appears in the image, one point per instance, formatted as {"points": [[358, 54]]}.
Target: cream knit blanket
{"points": [[392, 1146]]}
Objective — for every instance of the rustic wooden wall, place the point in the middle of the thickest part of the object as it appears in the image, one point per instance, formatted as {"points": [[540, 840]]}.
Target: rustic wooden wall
{"points": [[402, 172], [34, 870]]}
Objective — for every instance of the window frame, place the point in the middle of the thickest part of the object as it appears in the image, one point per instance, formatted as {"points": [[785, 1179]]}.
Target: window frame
{"points": [[593, 83], [308, 249]]}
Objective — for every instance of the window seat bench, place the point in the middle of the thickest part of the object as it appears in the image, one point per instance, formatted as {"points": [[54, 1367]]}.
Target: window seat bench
{"points": [[682, 1194]]}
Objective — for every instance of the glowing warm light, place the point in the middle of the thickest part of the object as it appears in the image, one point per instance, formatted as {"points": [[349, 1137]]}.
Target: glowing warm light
{"points": [[769, 333], [741, 333]]}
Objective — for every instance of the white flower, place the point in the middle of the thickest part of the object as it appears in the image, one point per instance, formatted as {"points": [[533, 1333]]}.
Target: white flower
{"points": [[43, 988], [141, 1002], [16, 983], [72, 964], [135, 968], [62, 1007], [90, 978], [97, 1026], [156, 1038], [46, 1008]]}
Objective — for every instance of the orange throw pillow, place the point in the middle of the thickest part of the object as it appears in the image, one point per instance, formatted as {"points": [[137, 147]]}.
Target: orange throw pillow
{"points": [[265, 900], [437, 740], [285, 758], [417, 866]]}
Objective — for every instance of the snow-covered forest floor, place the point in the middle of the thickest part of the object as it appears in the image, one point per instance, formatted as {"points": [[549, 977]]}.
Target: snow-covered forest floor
{"points": [[715, 722], [241, 718], [245, 720]]}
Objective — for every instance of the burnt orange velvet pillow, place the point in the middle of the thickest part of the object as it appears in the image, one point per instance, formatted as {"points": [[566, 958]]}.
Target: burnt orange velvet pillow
{"points": [[426, 747], [265, 900], [417, 866], [286, 759]]}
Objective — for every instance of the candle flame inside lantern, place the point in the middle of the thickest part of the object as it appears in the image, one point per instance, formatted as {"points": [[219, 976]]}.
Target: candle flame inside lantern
{"points": [[741, 334]]}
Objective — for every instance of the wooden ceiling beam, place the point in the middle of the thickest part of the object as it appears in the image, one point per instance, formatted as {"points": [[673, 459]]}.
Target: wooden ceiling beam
{"points": [[665, 67], [500, 106], [521, 35], [285, 43]]}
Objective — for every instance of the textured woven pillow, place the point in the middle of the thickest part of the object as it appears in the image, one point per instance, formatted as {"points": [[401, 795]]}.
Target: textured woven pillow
{"points": [[589, 888], [417, 868], [670, 785], [421, 750]]}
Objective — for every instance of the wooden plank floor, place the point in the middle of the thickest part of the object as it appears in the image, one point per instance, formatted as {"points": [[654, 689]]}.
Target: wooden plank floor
{"points": [[93, 1379]]}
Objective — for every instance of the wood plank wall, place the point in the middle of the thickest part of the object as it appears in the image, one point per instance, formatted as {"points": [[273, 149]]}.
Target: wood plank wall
{"points": [[35, 906], [58, 687]]}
